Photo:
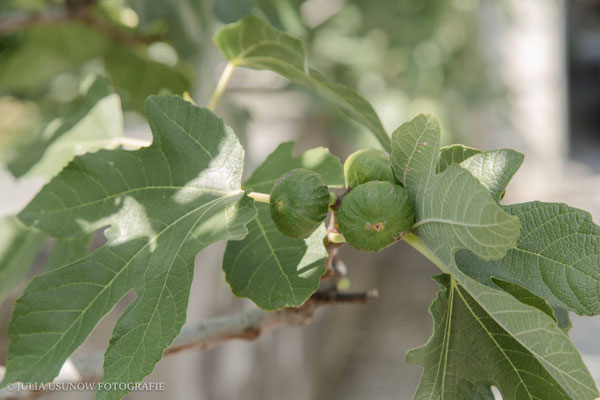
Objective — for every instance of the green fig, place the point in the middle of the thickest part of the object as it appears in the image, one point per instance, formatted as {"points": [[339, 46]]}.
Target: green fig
{"points": [[367, 165], [299, 203], [375, 215]]}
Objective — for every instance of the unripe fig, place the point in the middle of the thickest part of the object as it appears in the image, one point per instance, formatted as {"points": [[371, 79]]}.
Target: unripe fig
{"points": [[299, 202], [375, 215], [367, 165]]}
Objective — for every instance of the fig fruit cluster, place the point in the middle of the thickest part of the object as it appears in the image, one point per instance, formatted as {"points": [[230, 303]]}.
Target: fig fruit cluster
{"points": [[367, 165], [376, 213]]}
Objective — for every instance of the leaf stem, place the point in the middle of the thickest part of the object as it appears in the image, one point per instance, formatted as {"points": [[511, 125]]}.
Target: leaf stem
{"points": [[336, 237], [221, 85], [188, 97], [260, 197], [423, 249]]}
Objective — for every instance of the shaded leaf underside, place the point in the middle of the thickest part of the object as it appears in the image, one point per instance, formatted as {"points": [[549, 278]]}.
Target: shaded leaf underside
{"points": [[455, 211], [557, 255]]}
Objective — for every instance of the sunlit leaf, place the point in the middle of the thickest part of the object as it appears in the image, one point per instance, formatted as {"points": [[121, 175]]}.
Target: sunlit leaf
{"points": [[163, 203]]}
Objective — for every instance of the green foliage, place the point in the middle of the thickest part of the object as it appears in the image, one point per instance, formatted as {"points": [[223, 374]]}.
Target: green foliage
{"points": [[66, 251], [136, 76], [557, 254], [455, 211], [376, 215], [299, 202], [367, 165], [272, 269], [163, 203], [18, 248], [48, 51], [89, 126], [34, 66], [469, 351], [252, 43], [510, 272], [183, 22], [454, 154], [499, 164], [470, 217], [556, 257]]}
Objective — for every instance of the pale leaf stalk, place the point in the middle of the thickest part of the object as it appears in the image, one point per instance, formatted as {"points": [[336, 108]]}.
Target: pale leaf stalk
{"points": [[336, 237], [260, 197], [188, 97], [221, 86], [415, 242]]}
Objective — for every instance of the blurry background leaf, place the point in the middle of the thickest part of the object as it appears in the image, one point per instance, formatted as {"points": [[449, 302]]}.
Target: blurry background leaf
{"points": [[183, 21], [20, 122], [45, 52], [228, 11], [90, 125], [136, 76], [19, 245], [49, 62]]}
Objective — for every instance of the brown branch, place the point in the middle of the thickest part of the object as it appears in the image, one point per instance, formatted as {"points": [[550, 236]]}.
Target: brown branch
{"points": [[251, 324], [75, 11], [10, 25]]}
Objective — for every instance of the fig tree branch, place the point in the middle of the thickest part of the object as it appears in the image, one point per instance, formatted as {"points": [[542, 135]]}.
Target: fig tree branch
{"points": [[82, 11]]}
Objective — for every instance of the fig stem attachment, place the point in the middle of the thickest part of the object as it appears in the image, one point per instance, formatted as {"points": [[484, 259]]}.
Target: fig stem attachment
{"points": [[221, 85], [260, 197], [415, 242], [335, 237]]}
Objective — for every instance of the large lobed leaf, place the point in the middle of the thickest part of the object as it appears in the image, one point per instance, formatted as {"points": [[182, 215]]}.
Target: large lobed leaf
{"points": [[253, 43], [274, 270], [557, 255], [453, 210], [518, 337], [469, 351], [162, 204]]}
